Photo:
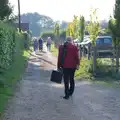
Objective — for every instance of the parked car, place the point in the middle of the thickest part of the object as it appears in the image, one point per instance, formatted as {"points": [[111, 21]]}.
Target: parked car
{"points": [[102, 42]]}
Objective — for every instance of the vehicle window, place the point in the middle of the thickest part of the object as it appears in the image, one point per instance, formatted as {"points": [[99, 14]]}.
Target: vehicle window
{"points": [[107, 40], [100, 41]]}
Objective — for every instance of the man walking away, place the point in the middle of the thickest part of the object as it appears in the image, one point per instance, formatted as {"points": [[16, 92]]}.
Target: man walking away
{"points": [[68, 60]]}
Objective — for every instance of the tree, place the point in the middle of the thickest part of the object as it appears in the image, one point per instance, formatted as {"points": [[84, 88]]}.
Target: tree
{"points": [[75, 27], [45, 35], [57, 28], [114, 26], [62, 35], [57, 32], [5, 9], [63, 25], [93, 26], [94, 29], [38, 23], [82, 28], [70, 30]]}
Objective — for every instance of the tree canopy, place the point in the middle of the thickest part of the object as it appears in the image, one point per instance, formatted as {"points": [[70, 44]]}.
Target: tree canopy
{"points": [[5, 9], [38, 23], [114, 24]]}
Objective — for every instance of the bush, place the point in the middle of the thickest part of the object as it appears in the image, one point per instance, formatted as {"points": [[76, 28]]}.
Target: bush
{"points": [[8, 39], [105, 68], [54, 50], [27, 40], [63, 35], [7, 45], [85, 71], [48, 34]]}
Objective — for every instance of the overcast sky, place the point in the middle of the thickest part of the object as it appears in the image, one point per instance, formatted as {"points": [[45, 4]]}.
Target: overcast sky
{"points": [[66, 9]]}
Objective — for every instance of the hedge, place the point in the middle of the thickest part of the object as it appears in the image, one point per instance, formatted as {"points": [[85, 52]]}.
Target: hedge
{"points": [[7, 45]]}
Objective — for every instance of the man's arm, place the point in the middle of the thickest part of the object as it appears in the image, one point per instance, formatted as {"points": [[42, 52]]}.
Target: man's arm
{"points": [[77, 57], [59, 58]]}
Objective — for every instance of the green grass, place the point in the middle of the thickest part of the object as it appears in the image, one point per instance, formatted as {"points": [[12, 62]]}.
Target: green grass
{"points": [[83, 73], [105, 76], [54, 50]]}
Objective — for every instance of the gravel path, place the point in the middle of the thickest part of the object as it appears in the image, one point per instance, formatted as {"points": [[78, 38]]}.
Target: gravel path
{"points": [[38, 99]]}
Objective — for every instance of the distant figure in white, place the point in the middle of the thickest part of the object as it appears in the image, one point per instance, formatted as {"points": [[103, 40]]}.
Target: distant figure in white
{"points": [[49, 42]]}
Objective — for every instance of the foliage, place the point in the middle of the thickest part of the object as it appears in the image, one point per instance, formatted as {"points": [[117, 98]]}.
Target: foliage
{"points": [[113, 29], [114, 24], [5, 9], [104, 32], [27, 41], [12, 61], [93, 27], [57, 32], [63, 35], [85, 69], [38, 23], [70, 30], [54, 50], [82, 28], [117, 12], [63, 25], [75, 27], [45, 35], [7, 45]]}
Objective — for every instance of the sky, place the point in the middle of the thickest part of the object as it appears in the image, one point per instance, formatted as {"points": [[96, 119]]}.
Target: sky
{"points": [[66, 9]]}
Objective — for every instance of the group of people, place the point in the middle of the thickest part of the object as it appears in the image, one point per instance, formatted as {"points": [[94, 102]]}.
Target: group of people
{"points": [[38, 44]]}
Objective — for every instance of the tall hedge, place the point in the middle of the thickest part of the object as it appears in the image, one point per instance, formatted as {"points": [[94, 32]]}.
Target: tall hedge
{"points": [[7, 45]]}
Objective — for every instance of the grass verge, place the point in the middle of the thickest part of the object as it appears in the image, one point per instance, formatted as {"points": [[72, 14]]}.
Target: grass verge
{"points": [[10, 77], [54, 50]]}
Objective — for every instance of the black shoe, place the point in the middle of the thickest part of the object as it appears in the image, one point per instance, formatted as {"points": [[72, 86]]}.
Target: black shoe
{"points": [[66, 97], [70, 93]]}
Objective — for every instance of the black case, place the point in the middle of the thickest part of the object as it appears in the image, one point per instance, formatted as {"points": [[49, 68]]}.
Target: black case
{"points": [[56, 76]]}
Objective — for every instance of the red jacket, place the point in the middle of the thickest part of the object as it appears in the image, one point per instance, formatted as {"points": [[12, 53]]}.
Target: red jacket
{"points": [[71, 59]]}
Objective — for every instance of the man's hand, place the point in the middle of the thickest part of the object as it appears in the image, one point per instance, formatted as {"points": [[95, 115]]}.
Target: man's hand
{"points": [[78, 67]]}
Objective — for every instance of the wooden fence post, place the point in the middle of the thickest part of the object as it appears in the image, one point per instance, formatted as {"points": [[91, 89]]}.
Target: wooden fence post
{"points": [[94, 60], [80, 50], [89, 52], [117, 59]]}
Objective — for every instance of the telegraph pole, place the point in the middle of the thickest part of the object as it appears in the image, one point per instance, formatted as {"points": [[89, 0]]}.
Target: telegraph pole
{"points": [[19, 16]]}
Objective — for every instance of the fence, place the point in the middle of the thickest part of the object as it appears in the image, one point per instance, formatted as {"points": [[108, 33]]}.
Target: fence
{"points": [[101, 52]]}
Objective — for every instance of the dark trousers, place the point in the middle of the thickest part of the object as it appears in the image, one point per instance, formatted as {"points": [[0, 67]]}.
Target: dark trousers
{"points": [[69, 81]]}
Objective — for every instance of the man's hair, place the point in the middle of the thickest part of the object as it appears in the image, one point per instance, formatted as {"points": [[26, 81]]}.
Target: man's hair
{"points": [[69, 39]]}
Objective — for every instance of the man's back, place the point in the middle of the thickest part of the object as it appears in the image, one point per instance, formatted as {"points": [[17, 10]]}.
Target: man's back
{"points": [[71, 59]]}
